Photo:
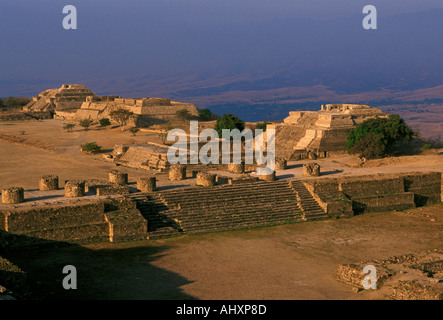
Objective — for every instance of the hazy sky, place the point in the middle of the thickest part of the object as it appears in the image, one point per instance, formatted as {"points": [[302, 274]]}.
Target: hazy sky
{"points": [[165, 37]]}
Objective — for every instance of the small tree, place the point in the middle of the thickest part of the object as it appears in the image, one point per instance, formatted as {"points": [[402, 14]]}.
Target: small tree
{"points": [[104, 122], [205, 114], [183, 114], [229, 121], [121, 116], [68, 127], [85, 123], [91, 147], [134, 130], [262, 125], [164, 132], [375, 138]]}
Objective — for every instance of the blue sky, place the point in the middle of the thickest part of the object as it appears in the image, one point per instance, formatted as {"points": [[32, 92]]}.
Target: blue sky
{"points": [[139, 39]]}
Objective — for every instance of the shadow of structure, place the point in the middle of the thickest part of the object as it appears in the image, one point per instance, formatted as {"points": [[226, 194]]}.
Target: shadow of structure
{"points": [[124, 273], [326, 173], [293, 166]]}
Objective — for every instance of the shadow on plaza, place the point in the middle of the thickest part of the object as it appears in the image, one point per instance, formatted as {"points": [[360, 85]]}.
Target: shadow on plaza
{"points": [[123, 273]]}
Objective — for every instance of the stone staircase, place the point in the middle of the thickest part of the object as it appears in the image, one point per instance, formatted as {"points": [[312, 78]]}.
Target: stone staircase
{"points": [[310, 207], [226, 207], [159, 215]]}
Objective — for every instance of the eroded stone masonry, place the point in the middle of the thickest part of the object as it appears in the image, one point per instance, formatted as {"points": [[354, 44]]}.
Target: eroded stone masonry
{"points": [[320, 133], [87, 211], [75, 102]]}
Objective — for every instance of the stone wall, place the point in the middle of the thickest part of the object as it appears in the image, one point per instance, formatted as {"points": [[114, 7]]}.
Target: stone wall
{"points": [[388, 202], [427, 187], [126, 225], [377, 193], [87, 221], [368, 186]]}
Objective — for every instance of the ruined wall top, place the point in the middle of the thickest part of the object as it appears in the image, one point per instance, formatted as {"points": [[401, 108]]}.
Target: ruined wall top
{"points": [[353, 109]]}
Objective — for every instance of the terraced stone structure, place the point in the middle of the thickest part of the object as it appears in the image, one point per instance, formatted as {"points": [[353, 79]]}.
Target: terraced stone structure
{"points": [[406, 277], [376, 193], [147, 111], [89, 221], [322, 132], [67, 97], [249, 203], [147, 156]]}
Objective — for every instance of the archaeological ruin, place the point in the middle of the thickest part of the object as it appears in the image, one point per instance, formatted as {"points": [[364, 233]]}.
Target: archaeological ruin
{"points": [[73, 102], [95, 211], [320, 133]]}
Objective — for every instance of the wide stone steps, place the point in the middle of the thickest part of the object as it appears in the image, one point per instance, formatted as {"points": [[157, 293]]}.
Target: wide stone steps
{"points": [[310, 207], [227, 207]]}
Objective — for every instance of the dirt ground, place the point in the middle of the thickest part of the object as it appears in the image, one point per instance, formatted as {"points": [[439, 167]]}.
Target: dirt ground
{"points": [[47, 149], [295, 261]]}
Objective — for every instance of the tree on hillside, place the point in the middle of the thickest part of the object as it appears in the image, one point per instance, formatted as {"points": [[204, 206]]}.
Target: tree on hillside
{"points": [[375, 138], [262, 125], [14, 102], [68, 127], [85, 123], [228, 121], [104, 122], [134, 130], [164, 129], [122, 117], [205, 114], [183, 114]]}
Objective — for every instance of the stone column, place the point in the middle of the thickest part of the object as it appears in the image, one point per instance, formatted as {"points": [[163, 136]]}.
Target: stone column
{"points": [[49, 182], [13, 195], [311, 170], [312, 155], [236, 167], [74, 188], [205, 179], [177, 172], [266, 174], [147, 184], [117, 177], [280, 164]]}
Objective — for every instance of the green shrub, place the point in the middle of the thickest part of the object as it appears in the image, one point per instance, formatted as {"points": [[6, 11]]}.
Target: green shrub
{"points": [[262, 126], [183, 114], [121, 116], [91, 147], [68, 127], [14, 102], [229, 121], [104, 122], [134, 130], [375, 138], [85, 123], [205, 114]]}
